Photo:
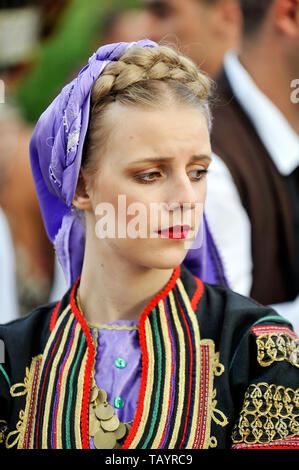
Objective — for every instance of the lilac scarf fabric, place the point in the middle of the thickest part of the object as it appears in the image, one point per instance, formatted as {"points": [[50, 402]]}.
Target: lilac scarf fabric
{"points": [[56, 153]]}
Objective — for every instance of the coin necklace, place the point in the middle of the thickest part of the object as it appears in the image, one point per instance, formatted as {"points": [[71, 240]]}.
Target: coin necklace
{"points": [[105, 428]]}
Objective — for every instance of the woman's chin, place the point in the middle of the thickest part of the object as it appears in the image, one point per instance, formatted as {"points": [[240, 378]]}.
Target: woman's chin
{"points": [[165, 260]]}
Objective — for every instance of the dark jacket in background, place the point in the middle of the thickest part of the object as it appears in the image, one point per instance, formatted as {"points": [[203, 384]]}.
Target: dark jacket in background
{"points": [[270, 199]]}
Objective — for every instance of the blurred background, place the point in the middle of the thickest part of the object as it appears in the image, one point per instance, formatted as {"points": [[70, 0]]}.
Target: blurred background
{"points": [[45, 43]]}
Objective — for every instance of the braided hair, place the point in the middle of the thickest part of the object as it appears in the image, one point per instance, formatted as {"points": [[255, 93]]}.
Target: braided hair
{"points": [[146, 77]]}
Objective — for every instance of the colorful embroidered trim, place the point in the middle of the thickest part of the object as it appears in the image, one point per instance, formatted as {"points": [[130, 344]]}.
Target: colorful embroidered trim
{"points": [[61, 386], [275, 329], [275, 344], [88, 369], [290, 443], [56, 387], [23, 434], [174, 385], [207, 411], [269, 414]]}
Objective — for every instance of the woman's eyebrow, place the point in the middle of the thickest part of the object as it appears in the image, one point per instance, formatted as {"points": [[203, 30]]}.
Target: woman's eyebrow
{"points": [[193, 159]]}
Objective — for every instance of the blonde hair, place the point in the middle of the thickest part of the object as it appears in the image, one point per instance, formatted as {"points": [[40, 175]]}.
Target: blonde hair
{"points": [[140, 77]]}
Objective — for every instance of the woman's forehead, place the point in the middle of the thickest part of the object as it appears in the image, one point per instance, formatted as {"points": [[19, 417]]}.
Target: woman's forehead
{"points": [[141, 133]]}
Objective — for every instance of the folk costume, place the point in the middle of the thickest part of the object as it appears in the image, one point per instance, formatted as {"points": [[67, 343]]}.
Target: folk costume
{"points": [[203, 367]]}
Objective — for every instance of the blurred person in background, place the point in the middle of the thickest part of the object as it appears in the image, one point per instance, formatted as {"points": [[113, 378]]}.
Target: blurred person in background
{"points": [[126, 25], [8, 292], [202, 29], [256, 133], [19, 34], [22, 26]]}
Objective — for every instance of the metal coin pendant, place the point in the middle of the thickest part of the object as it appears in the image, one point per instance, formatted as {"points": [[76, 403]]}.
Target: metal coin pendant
{"points": [[104, 411], [104, 440], [94, 394], [110, 424], [94, 426], [120, 431], [102, 396]]}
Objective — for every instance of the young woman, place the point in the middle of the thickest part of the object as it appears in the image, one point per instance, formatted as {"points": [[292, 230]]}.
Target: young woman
{"points": [[140, 352]]}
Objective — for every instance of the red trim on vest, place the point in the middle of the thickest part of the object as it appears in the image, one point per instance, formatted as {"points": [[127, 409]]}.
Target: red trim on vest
{"points": [[88, 367], [287, 443], [198, 293], [268, 329], [54, 316]]}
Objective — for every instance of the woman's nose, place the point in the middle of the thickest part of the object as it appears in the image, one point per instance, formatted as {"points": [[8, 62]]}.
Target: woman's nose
{"points": [[182, 192]]}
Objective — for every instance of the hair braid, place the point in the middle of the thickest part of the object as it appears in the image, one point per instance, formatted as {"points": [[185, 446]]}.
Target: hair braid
{"points": [[161, 63], [135, 79]]}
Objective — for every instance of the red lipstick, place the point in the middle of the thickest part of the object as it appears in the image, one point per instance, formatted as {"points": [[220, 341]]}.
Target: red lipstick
{"points": [[178, 232]]}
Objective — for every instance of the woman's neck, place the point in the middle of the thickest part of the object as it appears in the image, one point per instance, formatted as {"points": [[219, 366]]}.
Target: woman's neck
{"points": [[112, 288]]}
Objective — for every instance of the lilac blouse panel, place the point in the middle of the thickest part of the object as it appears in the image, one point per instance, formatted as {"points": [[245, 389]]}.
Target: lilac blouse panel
{"points": [[118, 365]]}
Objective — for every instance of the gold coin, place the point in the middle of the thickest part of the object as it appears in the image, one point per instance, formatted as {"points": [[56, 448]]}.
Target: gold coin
{"points": [[104, 440], [92, 413], [102, 395], [92, 416], [110, 424], [94, 394], [104, 411], [94, 426], [92, 382], [120, 431]]}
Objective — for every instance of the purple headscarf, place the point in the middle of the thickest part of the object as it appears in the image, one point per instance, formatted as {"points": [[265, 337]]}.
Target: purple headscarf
{"points": [[56, 153]]}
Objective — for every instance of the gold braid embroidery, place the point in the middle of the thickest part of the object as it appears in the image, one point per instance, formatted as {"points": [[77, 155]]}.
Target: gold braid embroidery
{"points": [[18, 390], [3, 429], [23, 390], [277, 347], [270, 413], [217, 415]]}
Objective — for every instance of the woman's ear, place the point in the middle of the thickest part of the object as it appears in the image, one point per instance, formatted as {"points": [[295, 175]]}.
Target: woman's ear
{"points": [[287, 17], [82, 198]]}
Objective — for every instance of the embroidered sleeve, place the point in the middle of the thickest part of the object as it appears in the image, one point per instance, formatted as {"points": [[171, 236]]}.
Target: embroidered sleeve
{"points": [[276, 344], [269, 416]]}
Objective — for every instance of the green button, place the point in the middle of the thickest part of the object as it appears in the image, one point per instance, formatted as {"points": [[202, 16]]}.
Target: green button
{"points": [[118, 402], [120, 362]]}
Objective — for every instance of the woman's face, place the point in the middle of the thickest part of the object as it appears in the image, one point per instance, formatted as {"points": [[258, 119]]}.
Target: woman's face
{"points": [[151, 178]]}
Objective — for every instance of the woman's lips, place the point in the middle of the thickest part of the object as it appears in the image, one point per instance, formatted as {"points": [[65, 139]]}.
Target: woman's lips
{"points": [[178, 232]]}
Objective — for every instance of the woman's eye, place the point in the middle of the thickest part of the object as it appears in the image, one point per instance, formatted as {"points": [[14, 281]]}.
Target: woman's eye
{"points": [[198, 174], [148, 177], [151, 177]]}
